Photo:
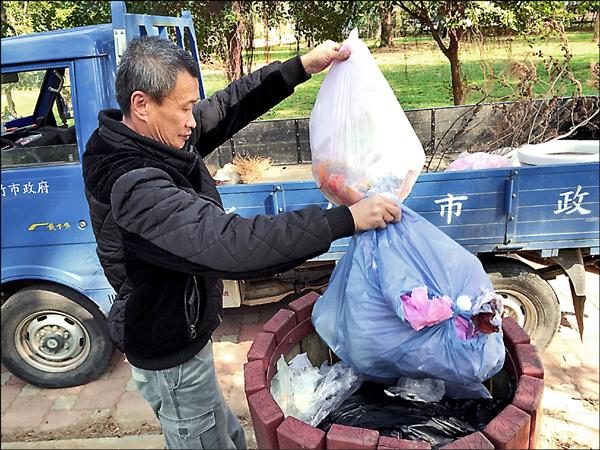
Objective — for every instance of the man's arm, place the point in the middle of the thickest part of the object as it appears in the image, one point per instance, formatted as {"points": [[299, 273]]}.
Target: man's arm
{"points": [[228, 111], [169, 227]]}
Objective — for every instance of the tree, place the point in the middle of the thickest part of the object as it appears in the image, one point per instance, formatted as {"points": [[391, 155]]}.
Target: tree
{"points": [[318, 21], [388, 23], [221, 29], [271, 14], [449, 20], [6, 27], [25, 17], [582, 9], [220, 25], [235, 67], [436, 16]]}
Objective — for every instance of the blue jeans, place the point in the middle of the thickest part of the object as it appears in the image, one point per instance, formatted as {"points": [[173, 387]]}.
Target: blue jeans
{"points": [[189, 404]]}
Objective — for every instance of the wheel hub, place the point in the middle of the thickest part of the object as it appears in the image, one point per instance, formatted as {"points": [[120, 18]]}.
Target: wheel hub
{"points": [[516, 306], [52, 341], [513, 309]]}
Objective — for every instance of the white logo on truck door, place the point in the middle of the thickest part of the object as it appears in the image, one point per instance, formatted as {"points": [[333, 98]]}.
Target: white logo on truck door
{"points": [[28, 188]]}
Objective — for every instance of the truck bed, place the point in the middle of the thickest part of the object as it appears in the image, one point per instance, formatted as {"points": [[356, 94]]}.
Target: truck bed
{"points": [[542, 208]]}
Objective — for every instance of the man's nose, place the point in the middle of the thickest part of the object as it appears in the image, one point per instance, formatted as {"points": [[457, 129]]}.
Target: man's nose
{"points": [[191, 122]]}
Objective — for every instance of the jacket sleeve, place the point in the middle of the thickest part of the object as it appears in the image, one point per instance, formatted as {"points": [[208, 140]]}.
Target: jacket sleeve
{"points": [[227, 111], [178, 230]]}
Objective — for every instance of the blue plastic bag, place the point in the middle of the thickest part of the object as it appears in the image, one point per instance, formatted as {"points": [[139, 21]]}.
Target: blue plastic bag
{"points": [[360, 315]]}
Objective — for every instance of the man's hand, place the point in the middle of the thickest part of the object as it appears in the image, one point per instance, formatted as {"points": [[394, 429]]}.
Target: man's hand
{"points": [[321, 57], [375, 212]]}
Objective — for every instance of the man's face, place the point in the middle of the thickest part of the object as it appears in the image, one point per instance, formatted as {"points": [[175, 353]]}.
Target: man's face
{"points": [[172, 122]]}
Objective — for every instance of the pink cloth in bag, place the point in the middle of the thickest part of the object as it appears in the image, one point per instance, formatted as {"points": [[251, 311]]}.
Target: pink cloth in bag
{"points": [[420, 312]]}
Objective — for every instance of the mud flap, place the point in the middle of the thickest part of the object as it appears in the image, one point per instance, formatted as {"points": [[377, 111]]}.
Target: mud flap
{"points": [[571, 261]]}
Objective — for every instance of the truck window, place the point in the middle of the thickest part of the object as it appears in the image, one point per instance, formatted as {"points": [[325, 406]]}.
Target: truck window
{"points": [[37, 120]]}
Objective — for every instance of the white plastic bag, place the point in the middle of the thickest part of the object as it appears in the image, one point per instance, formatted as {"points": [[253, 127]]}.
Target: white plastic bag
{"points": [[418, 390], [310, 394], [361, 141]]}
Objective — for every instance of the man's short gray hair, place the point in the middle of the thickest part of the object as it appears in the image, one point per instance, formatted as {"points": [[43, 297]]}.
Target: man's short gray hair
{"points": [[150, 64]]}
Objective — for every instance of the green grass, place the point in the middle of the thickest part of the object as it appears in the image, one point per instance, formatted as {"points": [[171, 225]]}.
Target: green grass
{"points": [[25, 103], [419, 74]]}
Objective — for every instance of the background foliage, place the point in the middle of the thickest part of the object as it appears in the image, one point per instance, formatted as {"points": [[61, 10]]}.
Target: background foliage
{"points": [[451, 46]]}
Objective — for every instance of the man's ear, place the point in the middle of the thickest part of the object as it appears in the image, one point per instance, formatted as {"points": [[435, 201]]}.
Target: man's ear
{"points": [[139, 105]]}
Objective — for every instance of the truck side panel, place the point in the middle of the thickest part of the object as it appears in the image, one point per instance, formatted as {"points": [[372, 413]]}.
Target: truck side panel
{"points": [[557, 207], [485, 211]]}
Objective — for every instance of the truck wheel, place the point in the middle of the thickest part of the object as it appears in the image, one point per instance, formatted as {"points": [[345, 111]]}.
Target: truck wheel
{"points": [[528, 299], [53, 337]]}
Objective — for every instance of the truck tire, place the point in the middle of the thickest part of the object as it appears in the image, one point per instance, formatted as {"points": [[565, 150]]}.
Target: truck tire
{"points": [[53, 337], [528, 298]]}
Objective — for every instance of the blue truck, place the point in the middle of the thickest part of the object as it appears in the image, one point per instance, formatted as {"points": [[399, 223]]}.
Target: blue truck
{"points": [[54, 294]]}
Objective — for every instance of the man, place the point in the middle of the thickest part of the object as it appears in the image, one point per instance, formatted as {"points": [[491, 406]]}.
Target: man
{"points": [[164, 240]]}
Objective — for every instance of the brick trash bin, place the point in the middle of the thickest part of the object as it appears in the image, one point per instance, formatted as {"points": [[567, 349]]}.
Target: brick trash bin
{"points": [[291, 332]]}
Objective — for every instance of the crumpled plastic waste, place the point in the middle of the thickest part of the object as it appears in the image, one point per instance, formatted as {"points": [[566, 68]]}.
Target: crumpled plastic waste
{"points": [[423, 390], [482, 316], [309, 393], [485, 316], [479, 160], [227, 175], [421, 312], [437, 423], [491, 306]]}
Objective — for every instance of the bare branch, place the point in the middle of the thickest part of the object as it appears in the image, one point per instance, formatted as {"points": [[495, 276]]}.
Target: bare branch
{"points": [[572, 130], [422, 15], [473, 110], [409, 11]]}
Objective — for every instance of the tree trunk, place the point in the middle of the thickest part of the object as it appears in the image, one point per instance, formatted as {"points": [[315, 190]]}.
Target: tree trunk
{"points": [[235, 70], [451, 51], [266, 28], [458, 90], [388, 22], [597, 28], [10, 103], [310, 41], [234, 58], [249, 47]]}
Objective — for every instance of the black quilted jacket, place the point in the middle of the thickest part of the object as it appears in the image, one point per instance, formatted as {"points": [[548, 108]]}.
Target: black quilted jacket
{"points": [[163, 238]]}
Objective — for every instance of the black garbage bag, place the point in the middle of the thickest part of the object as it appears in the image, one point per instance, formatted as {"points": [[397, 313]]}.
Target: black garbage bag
{"points": [[436, 423]]}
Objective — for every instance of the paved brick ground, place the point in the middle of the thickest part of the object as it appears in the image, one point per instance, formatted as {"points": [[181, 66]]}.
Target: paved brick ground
{"points": [[571, 368], [110, 406]]}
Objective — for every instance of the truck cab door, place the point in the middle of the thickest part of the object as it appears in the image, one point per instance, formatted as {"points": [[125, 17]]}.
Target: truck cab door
{"points": [[45, 220]]}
